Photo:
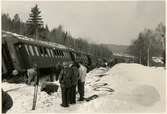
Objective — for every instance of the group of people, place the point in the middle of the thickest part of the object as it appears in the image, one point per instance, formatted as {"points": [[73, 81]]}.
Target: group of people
{"points": [[72, 77]]}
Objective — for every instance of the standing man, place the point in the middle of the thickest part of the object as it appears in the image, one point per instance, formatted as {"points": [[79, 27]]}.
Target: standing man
{"points": [[32, 75], [74, 82], [58, 70], [81, 81], [65, 84]]}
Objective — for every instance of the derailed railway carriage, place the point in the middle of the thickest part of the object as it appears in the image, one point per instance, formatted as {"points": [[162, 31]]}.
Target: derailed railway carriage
{"points": [[21, 53]]}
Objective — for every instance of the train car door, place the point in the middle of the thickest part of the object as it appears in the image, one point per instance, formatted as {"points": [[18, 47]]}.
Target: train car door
{"points": [[7, 60], [22, 55], [4, 68]]}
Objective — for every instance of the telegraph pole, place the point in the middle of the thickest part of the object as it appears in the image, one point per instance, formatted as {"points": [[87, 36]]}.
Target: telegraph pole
{"points": [[140, 56], [36, 33], [148, 53], [65, 37], [148, 56]]}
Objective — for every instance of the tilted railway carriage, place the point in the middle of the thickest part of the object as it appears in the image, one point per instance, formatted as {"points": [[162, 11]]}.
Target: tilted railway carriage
{"points": [[20, 53]]}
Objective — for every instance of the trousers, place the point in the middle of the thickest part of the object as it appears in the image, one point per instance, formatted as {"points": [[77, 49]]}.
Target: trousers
{"points": [[81, 89], [73, 94], [65, 96]]}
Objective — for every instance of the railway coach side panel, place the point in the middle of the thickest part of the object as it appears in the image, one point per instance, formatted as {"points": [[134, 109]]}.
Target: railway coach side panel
{"points": [[44, 57], [13, 53], [38, 55], [23, 55], [26, 51]]}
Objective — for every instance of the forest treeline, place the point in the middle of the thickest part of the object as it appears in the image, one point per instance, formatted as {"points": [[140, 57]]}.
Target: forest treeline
{"points": [[150, 43], [57, 35]]}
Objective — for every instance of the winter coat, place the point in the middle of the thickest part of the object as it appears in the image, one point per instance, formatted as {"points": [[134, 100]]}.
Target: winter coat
{"points": [[82, 73], [32, 76], [75, 76], [65, 77]]}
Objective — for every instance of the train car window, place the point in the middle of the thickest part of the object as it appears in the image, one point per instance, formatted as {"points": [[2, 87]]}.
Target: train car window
{"points": [[52, 52], [60, 53], [36, 50], [27, 50], [31, 50], [57, 51], [64, 53], [45, 52], [48, 52], [41, 51]]}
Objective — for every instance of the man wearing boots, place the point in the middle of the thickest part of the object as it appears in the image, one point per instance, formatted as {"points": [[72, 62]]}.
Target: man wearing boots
{"points": [[74, 82], [81, 81], [65, 84]]}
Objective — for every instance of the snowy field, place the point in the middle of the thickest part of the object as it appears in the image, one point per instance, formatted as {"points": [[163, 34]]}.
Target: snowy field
{"points": [[136, 89]]}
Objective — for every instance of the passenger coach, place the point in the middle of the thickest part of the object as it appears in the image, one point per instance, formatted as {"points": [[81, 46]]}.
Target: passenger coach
{"points": [[20, 53]]}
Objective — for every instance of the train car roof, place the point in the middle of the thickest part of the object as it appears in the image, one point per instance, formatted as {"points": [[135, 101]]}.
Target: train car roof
{"points": [[33, 41]]}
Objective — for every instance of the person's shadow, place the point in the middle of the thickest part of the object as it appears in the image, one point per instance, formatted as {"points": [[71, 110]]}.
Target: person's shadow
{"points": [[7, 102]]}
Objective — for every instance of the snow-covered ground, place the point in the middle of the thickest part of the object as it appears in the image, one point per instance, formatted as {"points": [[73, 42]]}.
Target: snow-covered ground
{"points": [[157, 59], [136, 89]]}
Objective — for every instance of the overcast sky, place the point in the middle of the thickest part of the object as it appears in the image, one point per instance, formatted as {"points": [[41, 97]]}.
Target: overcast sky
{"points": [[101, 22]]}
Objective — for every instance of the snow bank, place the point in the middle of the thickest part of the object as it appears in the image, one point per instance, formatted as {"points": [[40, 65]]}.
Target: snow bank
{"points": [[136, 89]]}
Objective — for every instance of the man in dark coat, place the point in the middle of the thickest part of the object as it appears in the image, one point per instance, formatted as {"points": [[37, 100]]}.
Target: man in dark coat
{"points": [[74, 82], [65, 84], [58, 70]]}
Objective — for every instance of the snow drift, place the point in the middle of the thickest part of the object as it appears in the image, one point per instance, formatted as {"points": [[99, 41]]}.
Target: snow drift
{"points": [[123, 88]]}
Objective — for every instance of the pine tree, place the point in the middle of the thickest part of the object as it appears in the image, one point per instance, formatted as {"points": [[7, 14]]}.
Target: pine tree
{"points": [[34, 22], [46, 28], [16, 23], [6, 22]]}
